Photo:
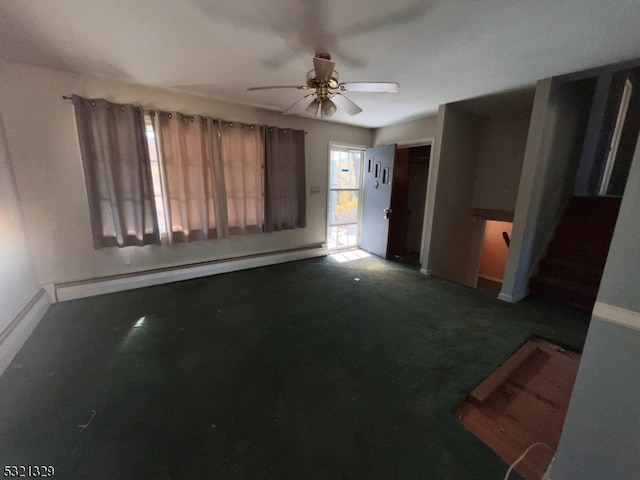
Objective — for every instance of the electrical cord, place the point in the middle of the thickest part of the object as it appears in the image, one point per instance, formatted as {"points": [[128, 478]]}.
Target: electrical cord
{"points": [[521, 457]]}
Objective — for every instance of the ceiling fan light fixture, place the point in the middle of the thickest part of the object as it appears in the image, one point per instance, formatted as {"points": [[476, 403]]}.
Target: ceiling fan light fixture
{"points": [[312, 108], [328, 108]]}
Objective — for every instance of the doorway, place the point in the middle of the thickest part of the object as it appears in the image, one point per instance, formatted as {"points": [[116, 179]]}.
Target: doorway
{"points": [[623, 137], [493, 258], [344, 204], [408, 199]]}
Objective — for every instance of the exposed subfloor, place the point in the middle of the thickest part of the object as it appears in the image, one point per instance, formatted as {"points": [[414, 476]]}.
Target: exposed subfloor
{"points": [[523, 405], [285, 372]]}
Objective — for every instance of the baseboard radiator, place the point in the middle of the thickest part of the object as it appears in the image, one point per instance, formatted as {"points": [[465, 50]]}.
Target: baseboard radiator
{"points": [[13, 336], [146, 278]]}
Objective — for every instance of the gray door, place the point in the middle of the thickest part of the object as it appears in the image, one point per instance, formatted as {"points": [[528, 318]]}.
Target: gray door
{"points": [[376, 199]]}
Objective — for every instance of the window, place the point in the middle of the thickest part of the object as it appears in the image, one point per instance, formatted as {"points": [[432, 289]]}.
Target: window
{"points": [[117, 173], [213, 178], [157, 179], [166, 175]]}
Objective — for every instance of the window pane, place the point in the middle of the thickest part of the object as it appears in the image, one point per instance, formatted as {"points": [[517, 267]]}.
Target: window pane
{"points": [[155, 174], [347, 236], [332, 237], [345, 169], [343, 207]]}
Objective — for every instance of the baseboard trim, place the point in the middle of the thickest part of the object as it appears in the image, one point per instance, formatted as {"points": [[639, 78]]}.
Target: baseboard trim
{"points": [[99, 286], [14, 335], [505, 297], [547, 474], [617, 315]]}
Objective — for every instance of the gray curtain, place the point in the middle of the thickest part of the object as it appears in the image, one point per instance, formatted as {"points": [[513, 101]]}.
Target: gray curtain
{"points": [[191, 161], [117, 173], [242, 148], [285, 189]]}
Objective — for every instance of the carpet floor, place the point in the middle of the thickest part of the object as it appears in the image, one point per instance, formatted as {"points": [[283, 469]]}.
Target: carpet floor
{"points": [[306, 370]]}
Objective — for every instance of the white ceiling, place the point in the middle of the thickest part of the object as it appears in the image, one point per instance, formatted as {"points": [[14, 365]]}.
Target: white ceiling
{"points": [[439, 51]]}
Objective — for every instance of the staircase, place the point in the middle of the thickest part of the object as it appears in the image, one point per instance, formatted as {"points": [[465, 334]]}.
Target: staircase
{"points": [[571, 270]]}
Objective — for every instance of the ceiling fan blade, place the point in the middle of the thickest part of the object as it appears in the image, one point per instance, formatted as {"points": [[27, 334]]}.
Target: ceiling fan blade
{"points": [[324, 68], [299, 87], [371, 87], [346, 104], [292, 108]]}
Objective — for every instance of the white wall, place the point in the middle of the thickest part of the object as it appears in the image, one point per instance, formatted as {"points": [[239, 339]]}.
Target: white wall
{"points": [[454, 236], [502, 145], [43, 142], [419, 129], [17, 275]]}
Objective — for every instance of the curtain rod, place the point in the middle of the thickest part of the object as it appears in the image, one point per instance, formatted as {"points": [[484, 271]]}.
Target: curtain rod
{"points": [[71, 98]]}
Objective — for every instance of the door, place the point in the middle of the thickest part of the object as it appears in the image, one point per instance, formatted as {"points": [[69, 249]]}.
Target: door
{"points": [[345, 167], [376, 199]]}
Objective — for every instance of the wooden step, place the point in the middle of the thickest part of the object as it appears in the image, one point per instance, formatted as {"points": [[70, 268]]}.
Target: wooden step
{"points": [[567, 269], [564, 292], [591, 253], [594, 205], [579, 232]]}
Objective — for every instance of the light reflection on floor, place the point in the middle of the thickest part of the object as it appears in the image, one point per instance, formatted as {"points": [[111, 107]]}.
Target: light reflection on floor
{"points": [[349, 255], [135, 330]]}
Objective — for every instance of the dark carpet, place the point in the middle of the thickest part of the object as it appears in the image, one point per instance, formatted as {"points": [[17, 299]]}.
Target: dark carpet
{"points": [[295, 371]]}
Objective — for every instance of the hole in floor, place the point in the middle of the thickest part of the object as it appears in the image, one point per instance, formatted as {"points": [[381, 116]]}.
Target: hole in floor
{"points": [[523, 402]]}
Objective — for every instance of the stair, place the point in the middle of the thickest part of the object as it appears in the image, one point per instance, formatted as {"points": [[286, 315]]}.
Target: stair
{"points": [[572, 267]]}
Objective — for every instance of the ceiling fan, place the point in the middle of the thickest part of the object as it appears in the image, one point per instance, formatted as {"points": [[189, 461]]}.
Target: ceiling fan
{"points": [[328, 96]]}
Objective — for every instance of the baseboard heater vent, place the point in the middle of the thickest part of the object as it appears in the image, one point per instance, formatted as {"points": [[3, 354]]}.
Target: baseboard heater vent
{"points": [[146, 278]]}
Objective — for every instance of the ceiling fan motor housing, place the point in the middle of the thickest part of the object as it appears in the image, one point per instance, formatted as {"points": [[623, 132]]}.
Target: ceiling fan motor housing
{"points": [[314, 82]]}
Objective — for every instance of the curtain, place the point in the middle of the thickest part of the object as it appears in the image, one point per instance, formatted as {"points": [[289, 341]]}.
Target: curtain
{"points": [[191, 162], [285, 190], [117, 172], [242, 148]]}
